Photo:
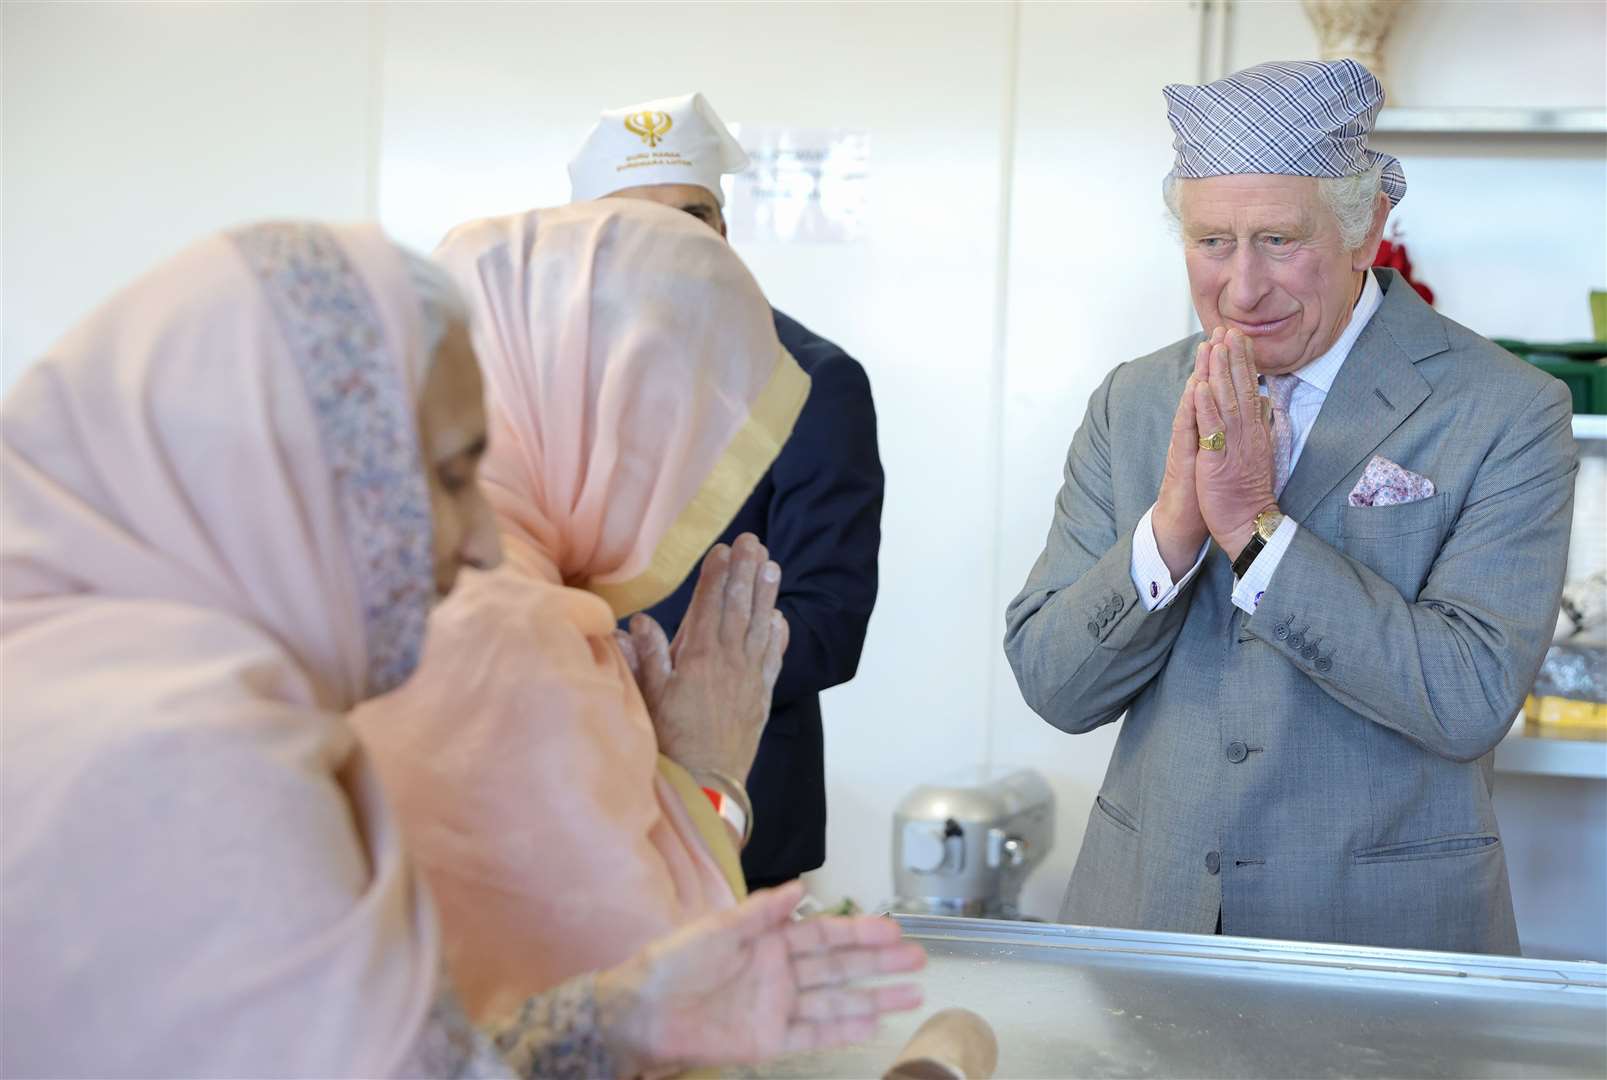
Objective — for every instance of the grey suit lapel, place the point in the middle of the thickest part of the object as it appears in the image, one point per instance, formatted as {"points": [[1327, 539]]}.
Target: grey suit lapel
{"points": [[1377, 388]]}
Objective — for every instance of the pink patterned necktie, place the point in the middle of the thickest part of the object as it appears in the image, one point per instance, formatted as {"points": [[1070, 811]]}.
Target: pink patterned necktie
{"points": [[1280, 389]]}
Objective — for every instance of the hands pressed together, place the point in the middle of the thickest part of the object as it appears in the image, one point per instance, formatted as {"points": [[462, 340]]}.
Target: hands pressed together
{"points": [[749, 983], [709, 691], [1216, 494]]}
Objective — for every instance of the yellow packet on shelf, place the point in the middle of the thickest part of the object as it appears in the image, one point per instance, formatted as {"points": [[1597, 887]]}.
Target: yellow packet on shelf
{"points": [[1565, 718]]}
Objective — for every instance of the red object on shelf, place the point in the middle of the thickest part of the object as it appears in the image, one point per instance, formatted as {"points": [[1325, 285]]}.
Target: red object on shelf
{"points": [[1392, 253]]}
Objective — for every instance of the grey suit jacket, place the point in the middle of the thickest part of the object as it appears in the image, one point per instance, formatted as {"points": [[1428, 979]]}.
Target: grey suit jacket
{"points": [[1321, 770]]}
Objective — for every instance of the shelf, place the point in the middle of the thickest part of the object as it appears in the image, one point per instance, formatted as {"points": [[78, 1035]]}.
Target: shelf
{"points": [[1475, 121], [1520, 753], [1590, 426]]}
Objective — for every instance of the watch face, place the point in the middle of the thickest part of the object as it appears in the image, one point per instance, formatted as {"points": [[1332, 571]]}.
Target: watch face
{"points": [[1267, 524]]}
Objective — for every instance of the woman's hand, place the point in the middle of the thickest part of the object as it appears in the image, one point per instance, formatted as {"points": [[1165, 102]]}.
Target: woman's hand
{"points": [[749, 983], [709, 692]]}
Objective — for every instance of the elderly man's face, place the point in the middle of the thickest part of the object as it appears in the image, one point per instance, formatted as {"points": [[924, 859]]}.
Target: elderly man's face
{"points": [[1265, 257], [689, 198]]}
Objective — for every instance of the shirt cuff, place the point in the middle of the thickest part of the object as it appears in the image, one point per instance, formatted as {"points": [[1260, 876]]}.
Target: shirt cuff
{"points": [[1150, 574], [1248, 589]]}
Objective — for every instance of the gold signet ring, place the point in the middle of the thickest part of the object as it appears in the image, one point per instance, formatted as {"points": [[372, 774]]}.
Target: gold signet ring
{"points": [[1217, 440]]}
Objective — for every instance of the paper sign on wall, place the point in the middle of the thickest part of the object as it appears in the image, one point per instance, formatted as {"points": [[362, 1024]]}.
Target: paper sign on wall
{"points": [[804, 184]]}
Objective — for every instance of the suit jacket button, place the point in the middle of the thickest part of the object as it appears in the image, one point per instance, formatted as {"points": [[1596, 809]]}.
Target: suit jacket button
{"points": [[1093, 630], [1309, 652], [1280, 631], [1237, 752], [1323, 664], [1213, 862], [1117, 602], [1297, 642]]}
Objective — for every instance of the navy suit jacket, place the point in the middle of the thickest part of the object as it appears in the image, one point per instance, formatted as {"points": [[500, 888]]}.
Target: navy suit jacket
{"points": [[819, 510]]}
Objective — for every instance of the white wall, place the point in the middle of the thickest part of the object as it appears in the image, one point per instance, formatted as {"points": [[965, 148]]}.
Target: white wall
{"points": [[1095, 279], [131, 129], [1016, 248], [1539, 53]]}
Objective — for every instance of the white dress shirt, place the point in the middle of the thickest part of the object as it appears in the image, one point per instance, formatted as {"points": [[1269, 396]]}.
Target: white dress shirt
{"points": [[1156, 589]]}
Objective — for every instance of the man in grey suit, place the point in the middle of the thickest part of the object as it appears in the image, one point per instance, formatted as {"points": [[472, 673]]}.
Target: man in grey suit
{"points": [[1314, 554]]}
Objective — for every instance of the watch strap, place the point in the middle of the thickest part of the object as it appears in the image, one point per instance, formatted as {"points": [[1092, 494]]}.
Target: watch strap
{"points": [[1241, 565]]}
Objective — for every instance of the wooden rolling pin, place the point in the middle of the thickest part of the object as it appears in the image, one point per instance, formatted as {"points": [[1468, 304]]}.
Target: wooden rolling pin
{"points": [[955, 1044]]}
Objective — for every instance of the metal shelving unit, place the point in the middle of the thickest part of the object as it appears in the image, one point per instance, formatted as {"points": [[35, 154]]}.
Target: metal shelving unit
{"points": [[1534, 756], [1520, 753], [1491, 121], [1590, 426]]}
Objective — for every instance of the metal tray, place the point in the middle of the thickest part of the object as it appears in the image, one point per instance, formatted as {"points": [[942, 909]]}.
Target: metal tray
{"points": [[1072, 1001]]}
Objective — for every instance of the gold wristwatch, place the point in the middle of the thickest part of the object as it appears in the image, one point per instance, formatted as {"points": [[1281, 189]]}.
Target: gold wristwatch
{"points": [[1266, 523]]}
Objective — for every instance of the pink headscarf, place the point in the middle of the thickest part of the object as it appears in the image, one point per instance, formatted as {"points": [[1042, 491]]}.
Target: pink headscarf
{"points": [[216, 540], [637, 393]]}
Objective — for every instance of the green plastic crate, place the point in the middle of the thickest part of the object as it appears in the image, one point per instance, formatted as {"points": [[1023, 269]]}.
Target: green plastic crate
{"points": [[1577, 363]]}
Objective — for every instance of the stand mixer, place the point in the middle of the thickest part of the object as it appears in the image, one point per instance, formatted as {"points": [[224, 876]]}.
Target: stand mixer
{"points": [[967, 848]]}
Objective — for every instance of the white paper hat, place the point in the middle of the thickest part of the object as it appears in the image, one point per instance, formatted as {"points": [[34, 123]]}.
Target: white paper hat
{"points": [[678, 140]]}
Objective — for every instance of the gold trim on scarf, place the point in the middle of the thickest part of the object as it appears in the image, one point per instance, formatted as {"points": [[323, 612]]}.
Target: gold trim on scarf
{"points": [[751, 451], [710, 825]]}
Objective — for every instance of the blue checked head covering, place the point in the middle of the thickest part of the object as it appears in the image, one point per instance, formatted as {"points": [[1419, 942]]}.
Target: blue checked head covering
{"points": [[1292, 118]]}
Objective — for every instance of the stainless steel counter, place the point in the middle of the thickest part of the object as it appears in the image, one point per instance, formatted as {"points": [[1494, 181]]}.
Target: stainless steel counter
{"points": [[1072, 1001]]}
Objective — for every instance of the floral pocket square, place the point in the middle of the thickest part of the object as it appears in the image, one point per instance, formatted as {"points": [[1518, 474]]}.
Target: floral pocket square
{"points": [[1385, 483]]}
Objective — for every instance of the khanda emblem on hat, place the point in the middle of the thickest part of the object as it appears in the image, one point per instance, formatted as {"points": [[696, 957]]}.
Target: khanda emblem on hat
{"points": [[651, 126]]}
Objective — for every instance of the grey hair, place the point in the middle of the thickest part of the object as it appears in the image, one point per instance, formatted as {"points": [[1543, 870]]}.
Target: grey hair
{"points": [[440, 304], [1352, 199]]}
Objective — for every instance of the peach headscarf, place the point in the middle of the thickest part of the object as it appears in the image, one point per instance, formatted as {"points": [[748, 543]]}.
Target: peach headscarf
{"points": [[216, 540], [637, 394]]}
